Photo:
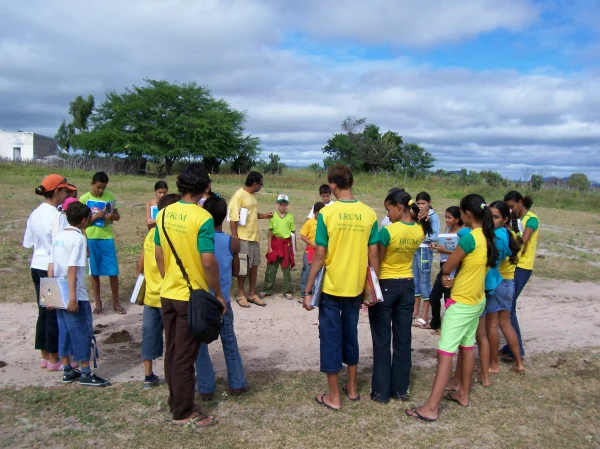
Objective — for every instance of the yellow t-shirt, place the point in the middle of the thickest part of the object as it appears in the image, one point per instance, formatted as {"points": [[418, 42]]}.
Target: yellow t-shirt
{"points": [[151, 273], [192, 232], [309, 229], [507, 269], [242, 199], [527, 258], [346, 229], [401, 240], [469, 286]]}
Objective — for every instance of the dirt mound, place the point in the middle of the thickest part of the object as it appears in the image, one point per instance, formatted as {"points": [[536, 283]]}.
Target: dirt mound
{"points": [[121, 336]]}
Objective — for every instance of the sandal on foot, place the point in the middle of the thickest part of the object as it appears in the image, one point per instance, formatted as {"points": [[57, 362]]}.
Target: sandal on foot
{"points": [[98, 310], [418, 416], [242, 301], [520, 372], [120, 311], [507, 358], [257, 300], [323, 403], [197, 419], [345, 389], [450, 397], [262, 295], [419, 322], [289, 296]]}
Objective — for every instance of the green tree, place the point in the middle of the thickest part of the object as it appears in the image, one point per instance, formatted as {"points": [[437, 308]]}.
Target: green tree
{"points": [[274, 166], [81, 110], [415, 160], [578, 181], [537, 181], [491, 178], [246, 154], [165, 122]]}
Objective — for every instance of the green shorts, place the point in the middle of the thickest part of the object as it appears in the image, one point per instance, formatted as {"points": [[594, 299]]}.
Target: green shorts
{"points": [[459, 327]]}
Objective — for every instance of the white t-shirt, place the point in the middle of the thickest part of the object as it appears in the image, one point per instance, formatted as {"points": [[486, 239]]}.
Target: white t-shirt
{"points": [[70, 250], [386, 221], [38, 235], [312, 209]]}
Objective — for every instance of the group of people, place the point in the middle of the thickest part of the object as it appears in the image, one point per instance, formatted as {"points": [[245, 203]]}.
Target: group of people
{"points": [[480, 280]]}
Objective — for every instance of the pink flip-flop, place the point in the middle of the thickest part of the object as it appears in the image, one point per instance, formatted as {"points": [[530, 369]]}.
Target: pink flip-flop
{"points": [[54, 366], [43, 363]]}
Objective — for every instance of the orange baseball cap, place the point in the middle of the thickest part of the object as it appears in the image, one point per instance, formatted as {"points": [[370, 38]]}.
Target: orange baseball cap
{"points": [[54, 181]]}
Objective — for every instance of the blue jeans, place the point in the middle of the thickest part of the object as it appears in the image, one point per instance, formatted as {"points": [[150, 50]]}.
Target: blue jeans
{"points": [[235, 369], [338, 331], [422, 261], [76, 332], [521, 278], [390, 322], [304, 273], [152, 333]]}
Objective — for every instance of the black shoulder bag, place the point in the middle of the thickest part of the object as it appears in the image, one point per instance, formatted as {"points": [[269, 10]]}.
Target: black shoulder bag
{"points": [[204, 310]]}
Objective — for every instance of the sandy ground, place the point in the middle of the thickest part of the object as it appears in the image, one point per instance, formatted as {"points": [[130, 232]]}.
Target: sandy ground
{"points": [[554, 316]]}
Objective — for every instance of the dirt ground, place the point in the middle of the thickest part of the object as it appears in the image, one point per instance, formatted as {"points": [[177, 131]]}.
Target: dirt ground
{"points": [[554, 316]]}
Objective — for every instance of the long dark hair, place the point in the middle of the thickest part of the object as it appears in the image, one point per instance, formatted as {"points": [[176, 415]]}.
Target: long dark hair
{"points": [[513, 244], [403, 198], [455, 212], [476, 205], [515, 196]]}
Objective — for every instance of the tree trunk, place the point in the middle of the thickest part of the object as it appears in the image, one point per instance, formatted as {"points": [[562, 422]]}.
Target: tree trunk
{"points": [[169, 164]]}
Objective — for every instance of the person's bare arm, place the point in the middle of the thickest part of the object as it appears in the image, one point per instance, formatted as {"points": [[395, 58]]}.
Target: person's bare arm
{"points": [[266, 216], [72, 306], [50, 270], [211, 272], [453, 262], [308, 242], [114, 216], [382, 251], [140, 264], [159, 255], [269, 240], [233, 226], [526, 237]]}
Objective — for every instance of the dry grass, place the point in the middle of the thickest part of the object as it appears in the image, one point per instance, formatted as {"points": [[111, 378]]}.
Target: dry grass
{"points": [[556, 405]]}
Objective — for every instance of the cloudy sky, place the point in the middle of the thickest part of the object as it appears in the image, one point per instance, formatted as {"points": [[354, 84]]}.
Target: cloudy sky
{"points": [[481, 84]]}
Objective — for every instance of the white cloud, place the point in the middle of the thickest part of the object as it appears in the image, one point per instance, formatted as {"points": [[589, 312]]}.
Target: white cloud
{"points": [[295, 101]]}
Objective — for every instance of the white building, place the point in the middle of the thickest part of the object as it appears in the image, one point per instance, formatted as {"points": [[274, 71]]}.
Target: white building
{"points": [[21, 145]]}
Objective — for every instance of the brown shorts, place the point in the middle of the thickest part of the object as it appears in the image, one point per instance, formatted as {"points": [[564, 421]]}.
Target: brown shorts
{"points": [[252, 249]]}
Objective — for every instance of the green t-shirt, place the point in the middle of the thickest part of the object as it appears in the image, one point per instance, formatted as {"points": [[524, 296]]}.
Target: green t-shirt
{"points": [[101, 229], [282, 227]]}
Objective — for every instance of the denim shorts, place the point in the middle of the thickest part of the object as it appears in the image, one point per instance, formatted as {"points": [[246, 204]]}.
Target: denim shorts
{"points": [[502, 297], [103, 257], [75, 332], [338, 331], [152, 333]]}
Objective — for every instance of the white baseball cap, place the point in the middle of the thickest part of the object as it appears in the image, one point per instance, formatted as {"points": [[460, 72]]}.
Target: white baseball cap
{"points": [[283, 197]]}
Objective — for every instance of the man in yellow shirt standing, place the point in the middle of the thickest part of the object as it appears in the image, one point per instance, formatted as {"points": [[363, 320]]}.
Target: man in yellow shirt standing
{"points": [[347, 238], [243, 219]]}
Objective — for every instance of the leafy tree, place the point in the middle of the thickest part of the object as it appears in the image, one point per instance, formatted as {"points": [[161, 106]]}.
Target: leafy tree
{"points": [[164, 122], [274, 166], [315, 168], [80, 110], [491, 178], [537, 181], [578, 181], [415, 160], [247, 152], [341, 150], [470, 177]]}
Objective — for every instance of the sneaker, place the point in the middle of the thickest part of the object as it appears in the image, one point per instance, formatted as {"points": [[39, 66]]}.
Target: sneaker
{"points": [[148, 384], [93, 381], [71, 376]]}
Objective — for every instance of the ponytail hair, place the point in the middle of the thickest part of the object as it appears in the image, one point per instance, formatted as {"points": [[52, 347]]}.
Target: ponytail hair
{"points": [[41, 190], [515, 196], [476, 205], [399, 196], [513, 243], [455, 212], [527, 202]]}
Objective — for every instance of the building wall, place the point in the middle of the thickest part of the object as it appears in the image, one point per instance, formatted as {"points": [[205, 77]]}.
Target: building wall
{"points": [[10, 140], [33, 146]]}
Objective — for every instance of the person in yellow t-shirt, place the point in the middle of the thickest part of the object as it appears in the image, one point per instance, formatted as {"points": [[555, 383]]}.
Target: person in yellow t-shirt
{"points": [[520, 205], [243, 219], [307, 234], [346, 238], [152, 324], [191, 231], [476, 252], [398, 242]]}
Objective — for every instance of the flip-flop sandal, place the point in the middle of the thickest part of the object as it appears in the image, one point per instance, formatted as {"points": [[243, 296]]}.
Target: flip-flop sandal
{"points": [[242, 301], [289, 296], [120, 311], [257, 300], [324, 404], [263, 295], [98, 311], [345, 389], [520, 372], [507, 358], [196, 419], [449, 397], [419, 322], [418, 416]]}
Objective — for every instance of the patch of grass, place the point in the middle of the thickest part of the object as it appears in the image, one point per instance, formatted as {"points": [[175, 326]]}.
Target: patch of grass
{"points": [[555, 405]]}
